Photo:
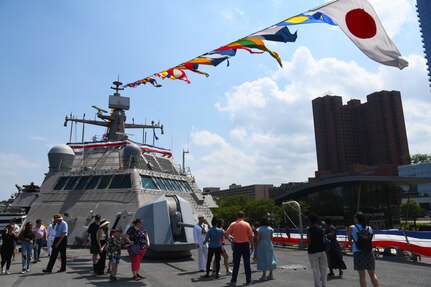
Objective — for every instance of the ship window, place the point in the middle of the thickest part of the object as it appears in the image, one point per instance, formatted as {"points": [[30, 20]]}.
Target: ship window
{"points": [[104, 181], [93, 182], [161, 183], [168, 184], [182, 187], [82, 182], [61, 183], [121, 181], [176, 185], [186, 185], [148, 183], [71, 183]]}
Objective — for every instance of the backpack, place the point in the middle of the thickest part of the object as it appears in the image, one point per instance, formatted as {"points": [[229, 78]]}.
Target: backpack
{"points": [[365, 238]]}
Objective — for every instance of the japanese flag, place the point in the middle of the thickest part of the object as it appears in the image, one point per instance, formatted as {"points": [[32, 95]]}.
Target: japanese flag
{"points": [[360, 23]]}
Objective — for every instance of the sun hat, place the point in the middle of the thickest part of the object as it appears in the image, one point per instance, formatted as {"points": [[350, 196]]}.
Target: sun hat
{"points": [[103, 223]]}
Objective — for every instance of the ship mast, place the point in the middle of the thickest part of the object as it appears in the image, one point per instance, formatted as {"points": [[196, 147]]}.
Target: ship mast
{"points": [[116, 121]]}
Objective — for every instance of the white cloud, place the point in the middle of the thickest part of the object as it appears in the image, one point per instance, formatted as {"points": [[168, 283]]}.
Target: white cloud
{"points": [[38, 138], [272, 135], [394, 14], [231, 14], [239, 134], [10, 164]]}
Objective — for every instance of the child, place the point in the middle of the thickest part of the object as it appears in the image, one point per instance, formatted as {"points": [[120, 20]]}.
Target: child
{"points": [[114, 251]]}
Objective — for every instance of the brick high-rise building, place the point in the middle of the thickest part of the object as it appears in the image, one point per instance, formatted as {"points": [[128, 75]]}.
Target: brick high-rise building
{"points": [[368, 134], [423, 8]]}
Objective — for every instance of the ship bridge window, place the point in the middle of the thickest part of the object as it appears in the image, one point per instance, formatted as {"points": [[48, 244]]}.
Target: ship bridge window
{"points": [[148, 182], [121, 181], [71, 183], [93, 182], [176, 185], [61, 183], [82, 182], [169, 184], [186, 185], [104, 181], [161, 184]]}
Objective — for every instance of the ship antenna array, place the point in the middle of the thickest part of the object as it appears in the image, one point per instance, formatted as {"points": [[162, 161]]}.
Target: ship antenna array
{"points": [[118, 87]]}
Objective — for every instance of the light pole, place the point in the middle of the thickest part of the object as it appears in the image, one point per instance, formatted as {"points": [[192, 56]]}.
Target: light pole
{"points": [[301, 241]]}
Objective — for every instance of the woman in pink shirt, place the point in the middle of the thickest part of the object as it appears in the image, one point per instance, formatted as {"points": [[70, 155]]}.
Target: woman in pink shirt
{"points": [[40, 235]]}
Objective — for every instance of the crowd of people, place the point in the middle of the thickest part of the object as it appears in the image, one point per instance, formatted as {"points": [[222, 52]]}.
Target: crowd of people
{"points": [[249, 243]]}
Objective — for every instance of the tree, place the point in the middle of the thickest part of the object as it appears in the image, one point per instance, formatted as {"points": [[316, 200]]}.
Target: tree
{"points": [[411, 210], [254, 209], [420, 158]]}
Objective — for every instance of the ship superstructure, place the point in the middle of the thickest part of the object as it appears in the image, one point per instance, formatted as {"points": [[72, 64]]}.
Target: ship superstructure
{"points": [[121, 179]]}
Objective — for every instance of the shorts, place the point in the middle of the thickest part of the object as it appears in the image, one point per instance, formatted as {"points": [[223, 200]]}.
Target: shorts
{"points": [[363, 261], [94, 249], [114, 259]]}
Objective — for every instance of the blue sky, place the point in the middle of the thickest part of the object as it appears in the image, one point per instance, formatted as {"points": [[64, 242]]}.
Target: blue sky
{"points": [[247, 123]]}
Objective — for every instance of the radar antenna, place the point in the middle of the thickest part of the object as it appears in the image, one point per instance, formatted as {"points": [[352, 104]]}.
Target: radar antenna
{"points": [[99, 110], [118, 87]]}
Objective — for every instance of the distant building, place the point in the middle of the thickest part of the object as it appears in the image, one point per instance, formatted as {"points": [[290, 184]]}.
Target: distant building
{"points": [[421, 193], [360, 135], [341, 197], [257, 191], [423, 7]]}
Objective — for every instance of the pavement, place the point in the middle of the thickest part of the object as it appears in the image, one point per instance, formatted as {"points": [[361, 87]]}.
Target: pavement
{"points": [[293, 270]]}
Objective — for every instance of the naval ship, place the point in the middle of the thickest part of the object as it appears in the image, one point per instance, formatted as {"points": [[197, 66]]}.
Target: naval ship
{"points": [[120, 179]]}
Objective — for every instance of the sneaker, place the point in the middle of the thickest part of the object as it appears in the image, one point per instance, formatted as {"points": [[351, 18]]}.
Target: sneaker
{"points": [[27, 270], [229, 272], [206, 276], [3, 271], [23, 272], [7, 272]]}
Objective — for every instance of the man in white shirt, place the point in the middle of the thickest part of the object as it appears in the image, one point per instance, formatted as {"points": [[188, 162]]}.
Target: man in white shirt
{"points": [[199, 232], [15, 230]]}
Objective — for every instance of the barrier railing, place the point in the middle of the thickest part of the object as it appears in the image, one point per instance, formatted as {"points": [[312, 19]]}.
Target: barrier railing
{"points": [[416, 242]]}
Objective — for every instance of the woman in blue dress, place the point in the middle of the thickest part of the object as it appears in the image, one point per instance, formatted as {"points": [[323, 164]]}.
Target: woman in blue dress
{"points": [[265, 253]]}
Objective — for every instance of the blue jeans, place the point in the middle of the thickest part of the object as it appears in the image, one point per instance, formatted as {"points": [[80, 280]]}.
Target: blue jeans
{"points": [[241, 250], [38, 247], [26, 253]]}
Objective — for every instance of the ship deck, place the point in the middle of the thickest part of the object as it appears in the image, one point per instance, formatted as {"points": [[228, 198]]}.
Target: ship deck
{"points": [[293, 270]]}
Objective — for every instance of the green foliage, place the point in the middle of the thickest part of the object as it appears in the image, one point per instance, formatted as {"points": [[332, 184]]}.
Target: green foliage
{"points": [[411, 210], [420, 158], [254, 209]]}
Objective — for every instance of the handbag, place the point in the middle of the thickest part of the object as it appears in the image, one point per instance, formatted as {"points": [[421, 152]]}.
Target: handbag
{"points": [[134, 249]]}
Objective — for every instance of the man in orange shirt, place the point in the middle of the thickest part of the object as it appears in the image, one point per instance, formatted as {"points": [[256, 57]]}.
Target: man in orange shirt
{"points": [[242, 243]]}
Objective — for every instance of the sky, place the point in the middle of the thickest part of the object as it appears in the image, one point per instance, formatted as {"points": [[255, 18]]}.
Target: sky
{"points": [[248, 123]]}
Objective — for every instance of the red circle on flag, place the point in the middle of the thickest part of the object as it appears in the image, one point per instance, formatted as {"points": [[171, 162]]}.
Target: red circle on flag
{"points": [[361, 24]]}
